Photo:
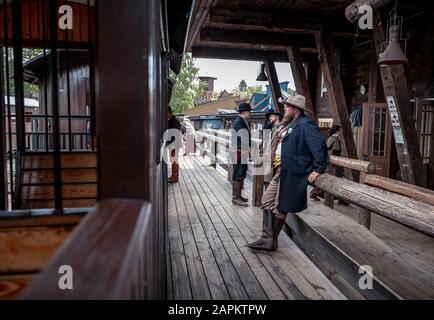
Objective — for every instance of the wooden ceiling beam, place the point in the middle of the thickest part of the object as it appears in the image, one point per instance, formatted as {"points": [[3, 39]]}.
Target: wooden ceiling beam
{"points": [[238, 54], [200, 14], [261, 38], [262, 21]]}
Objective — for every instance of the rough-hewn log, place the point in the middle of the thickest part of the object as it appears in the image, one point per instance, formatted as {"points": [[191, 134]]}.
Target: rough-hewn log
{"points": [[352, 11], [405, 189], [409, 212], [353, 164]]}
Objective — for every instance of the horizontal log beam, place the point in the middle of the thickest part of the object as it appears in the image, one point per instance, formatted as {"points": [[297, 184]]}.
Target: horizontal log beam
{"points": [[353, 164], [240, 54], [237, 37], [267, 21], [405, 189], [406, 211], [352, 11]]}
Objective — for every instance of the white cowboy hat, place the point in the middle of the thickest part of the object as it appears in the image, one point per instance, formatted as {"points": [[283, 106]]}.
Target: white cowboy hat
{"points": [[297, 101]]}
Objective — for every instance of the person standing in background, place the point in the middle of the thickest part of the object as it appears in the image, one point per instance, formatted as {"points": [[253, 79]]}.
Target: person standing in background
{"points": [[241, 142], [174, 145]]}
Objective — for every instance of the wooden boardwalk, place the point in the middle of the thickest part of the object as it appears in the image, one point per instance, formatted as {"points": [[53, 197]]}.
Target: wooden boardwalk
{"points": [[208, 257]]}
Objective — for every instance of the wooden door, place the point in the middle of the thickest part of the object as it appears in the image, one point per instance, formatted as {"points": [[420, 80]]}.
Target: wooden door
{"points": [[377, 136]]}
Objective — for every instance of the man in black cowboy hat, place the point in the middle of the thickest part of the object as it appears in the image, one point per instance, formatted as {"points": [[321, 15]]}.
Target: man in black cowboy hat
{"points": [[241, 143], [301, 156]]}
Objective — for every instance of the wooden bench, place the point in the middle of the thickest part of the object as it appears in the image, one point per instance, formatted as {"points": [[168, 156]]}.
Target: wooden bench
{"points": [[28, 240], [36, 180]]}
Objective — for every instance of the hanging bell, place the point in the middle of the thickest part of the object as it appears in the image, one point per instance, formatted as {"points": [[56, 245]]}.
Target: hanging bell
{"points": [[393, 54], [262, 76]]}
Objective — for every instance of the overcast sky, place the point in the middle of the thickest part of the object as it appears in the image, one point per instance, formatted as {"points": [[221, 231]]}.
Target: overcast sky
{"points": [[229, 73]]}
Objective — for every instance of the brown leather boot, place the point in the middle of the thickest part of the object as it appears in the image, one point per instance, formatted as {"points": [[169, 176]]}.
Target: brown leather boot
{"points": [[277, 227], [241, 194], [236, 194], [175, 173], [265, 242]]}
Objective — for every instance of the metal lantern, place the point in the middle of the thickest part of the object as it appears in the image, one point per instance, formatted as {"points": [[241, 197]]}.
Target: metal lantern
{"points": [[262, 76], [394, 54]]}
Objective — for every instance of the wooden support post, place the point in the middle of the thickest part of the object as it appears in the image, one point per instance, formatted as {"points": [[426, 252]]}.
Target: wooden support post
{"points": [[300, 78], [335, 91], [124, 142], [274, 83], [214, 152], [18, 74], [127, 146], [397, 96], [329, 198], [257, 189], [364, 215], [3, 159], [373, 77]]}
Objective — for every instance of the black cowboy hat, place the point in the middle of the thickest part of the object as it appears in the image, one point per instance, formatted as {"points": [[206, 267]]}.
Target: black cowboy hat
{"points": [[272, 111], [244, 107]]}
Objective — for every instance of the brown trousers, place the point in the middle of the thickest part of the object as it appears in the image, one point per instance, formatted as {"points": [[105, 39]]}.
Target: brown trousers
{"points": [[270, 198]]}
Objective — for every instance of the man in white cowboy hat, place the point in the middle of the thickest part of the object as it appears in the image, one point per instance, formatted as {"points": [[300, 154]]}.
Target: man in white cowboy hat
{"points": [[300, 157]]}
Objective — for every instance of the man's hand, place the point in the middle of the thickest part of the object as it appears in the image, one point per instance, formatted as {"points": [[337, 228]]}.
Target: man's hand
{"points": [[313, 176]]}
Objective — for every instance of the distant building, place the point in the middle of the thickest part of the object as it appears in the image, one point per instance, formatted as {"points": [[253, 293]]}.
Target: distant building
{"points": [[31, 107], [209, 90]]}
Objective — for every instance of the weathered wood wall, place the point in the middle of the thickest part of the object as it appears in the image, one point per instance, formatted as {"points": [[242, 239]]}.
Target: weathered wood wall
{"points": [[78, 94], [33, 23]]}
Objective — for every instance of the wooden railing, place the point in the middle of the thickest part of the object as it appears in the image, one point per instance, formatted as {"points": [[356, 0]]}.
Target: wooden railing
{"points": [[112, 255], [29, 239], [215, 144], [404, 203]]}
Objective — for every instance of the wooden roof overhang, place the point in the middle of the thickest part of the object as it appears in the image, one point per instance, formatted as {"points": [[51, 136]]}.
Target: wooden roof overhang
{"points": [[253, 30]]}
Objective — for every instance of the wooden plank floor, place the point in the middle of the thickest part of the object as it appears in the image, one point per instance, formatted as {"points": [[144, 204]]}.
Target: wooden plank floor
{"points": [[208, 257]]}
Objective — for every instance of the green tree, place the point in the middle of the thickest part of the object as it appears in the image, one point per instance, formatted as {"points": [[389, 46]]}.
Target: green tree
{"points": [[28, 54], [248, 92], [187, 87], [242, 86]]}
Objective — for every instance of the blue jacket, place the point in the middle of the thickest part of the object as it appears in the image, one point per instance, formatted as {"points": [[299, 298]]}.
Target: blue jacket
{"points": [[303, 151]]}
